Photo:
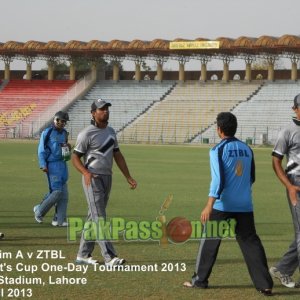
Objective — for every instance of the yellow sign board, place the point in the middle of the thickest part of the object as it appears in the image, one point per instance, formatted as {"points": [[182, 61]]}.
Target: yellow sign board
{"points": [[182, 45]]}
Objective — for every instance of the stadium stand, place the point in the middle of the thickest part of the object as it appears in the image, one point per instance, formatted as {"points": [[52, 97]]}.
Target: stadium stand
{"points": [[3, 83], [152, 111], [24, 101], [129, 100], [190, 108], [261, 118]]}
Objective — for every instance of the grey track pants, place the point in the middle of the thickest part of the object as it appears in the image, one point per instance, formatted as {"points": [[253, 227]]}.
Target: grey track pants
{"points": [[97, 195], [290, 261]]}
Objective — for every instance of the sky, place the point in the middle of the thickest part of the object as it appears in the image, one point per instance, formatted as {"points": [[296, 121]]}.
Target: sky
{"points": [[105, 20]]}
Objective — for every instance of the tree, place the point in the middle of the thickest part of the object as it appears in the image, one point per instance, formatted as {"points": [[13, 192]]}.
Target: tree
{"points": [[262, 64]]}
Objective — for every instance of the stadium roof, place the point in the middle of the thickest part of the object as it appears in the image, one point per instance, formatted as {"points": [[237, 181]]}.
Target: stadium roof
{"points": [[286, 44]]}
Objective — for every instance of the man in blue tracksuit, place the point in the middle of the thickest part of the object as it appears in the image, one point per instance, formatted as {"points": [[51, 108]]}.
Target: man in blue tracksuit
{"points": [[230, 197], [53, 152]]}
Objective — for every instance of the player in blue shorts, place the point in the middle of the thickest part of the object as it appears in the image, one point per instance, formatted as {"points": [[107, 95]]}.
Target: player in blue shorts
{"points": [[230, 197]]}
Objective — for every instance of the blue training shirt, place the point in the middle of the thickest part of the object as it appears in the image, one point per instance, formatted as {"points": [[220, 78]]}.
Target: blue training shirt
{"points": [[233, 172], [50, 144]]}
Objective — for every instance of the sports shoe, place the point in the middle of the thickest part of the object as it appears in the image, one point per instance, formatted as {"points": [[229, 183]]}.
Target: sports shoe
{"points": [[55, 224], [1, 235], [116, 261], [266, 292], [285, 279], [38, 218], [86, 261]]}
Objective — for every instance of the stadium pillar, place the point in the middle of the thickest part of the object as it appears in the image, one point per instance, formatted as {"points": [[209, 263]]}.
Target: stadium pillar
{"points": [[94, 71], [72, 71], [204, 59], [271, 71], [294, 71], [116, 71], [160, 60], [137, 71], [226, 60], [181, 71], [271, 59], [225, 72], [203, 76], [159, 72], [248, 72], [7, 71], [50, 70], [248, 61], [28, 71]]}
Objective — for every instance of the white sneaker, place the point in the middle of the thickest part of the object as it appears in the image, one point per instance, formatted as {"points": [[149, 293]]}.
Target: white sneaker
{"points": [[86, 261], [116, 261], [285, 279], [38, 218], [1, 235], [55, 223]]}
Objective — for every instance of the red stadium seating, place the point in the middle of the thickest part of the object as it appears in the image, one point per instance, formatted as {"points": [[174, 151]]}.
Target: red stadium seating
{"points": [[24, 100]]}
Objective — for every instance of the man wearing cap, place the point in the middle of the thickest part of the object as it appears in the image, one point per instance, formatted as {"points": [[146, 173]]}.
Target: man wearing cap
{"points": [[53, 152], [288, 144], [97, 144]]}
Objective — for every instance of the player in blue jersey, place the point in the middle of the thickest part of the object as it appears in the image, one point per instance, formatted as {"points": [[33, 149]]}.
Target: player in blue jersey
{"points": [[53, 152], [288, 144], [230, 197]]}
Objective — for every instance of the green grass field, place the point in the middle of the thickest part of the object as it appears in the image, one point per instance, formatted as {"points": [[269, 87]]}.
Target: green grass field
{"points": [[160, 170]]}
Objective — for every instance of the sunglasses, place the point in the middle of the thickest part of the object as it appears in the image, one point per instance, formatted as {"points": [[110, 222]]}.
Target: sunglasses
{"points": [[61, 120]]}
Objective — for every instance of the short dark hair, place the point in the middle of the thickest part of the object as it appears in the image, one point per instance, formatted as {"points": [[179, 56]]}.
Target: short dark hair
{"points": [[227, 122]]}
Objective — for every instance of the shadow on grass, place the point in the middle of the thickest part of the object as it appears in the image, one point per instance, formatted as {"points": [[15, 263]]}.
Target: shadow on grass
{"points": [[289, 292], [286, 292], [231, 286]]}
